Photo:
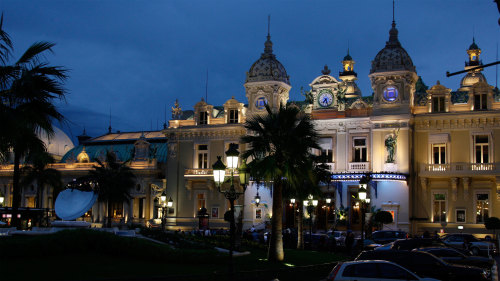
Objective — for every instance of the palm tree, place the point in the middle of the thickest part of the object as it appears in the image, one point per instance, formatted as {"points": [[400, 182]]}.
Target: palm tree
{"points": [[280, 143], [115, 179], [312, 175], [39, 172], [27, 90]]}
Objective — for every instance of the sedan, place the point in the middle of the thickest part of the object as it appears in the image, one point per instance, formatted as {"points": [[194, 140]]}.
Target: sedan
{"points": [[372, 270], [454, 256]]}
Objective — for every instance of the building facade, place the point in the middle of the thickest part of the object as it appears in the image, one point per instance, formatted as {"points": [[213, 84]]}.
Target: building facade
{"points": [[430, 153]]}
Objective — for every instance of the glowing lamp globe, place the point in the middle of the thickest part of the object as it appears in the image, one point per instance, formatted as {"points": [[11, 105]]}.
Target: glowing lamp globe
{"points": [[219, 171]]}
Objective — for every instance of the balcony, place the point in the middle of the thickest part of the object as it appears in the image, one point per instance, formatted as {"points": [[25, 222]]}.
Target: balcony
{"points": [[198, 172], [459, 169], [359, 167]]}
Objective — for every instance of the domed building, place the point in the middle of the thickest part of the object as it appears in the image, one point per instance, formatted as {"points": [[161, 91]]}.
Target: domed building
{"points": [[58, 144], [267, 82]]}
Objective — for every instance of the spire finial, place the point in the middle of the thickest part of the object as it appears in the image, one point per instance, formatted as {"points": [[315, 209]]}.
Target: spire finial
{"points": [[109, 128], [347, 47], [393, 21], [268, 26], [268, 46]]}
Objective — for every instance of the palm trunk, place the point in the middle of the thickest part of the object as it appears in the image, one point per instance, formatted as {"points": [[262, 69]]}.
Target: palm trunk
{"points": [[16, 200], [276, 244], [110, 213], [300, 227], [39, 194]]}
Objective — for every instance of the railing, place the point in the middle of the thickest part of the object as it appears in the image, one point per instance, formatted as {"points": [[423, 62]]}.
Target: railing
{"points": [[359, 166], [482, 168], [198, 172]]}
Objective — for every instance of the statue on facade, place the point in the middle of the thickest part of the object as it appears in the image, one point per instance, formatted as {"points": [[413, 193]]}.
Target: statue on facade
{"points": [[390, 144], [176, 111]]}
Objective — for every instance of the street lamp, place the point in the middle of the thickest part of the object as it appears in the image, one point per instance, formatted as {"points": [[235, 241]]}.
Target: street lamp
{"points": [[328, 201], [166, 205], [365, 200], [219, 171], [311, 204], [2, 198], [292, 201]]}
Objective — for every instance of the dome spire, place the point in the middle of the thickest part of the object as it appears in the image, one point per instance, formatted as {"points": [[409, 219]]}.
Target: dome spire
{"points": [[268, 46], [393, 33]]}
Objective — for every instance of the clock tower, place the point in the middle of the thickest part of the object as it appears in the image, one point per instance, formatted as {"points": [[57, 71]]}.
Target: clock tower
{"points": [[267, 82], [393, 78]]}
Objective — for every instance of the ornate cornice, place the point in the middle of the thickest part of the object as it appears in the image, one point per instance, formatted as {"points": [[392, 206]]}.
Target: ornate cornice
{"points": [[215, 132], [457, 121]]}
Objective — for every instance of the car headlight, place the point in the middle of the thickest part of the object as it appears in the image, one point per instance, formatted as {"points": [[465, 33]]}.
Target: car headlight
{"points": [[485, 274]]}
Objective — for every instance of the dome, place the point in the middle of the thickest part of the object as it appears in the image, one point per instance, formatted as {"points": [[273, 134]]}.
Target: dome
{"points": [[393, 56], [267, 67], [473, 46], [472, 78], [58, 144], [347, 57]]}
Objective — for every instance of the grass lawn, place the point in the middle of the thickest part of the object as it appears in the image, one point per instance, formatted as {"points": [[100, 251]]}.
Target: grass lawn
{"points": [[90, 255]]}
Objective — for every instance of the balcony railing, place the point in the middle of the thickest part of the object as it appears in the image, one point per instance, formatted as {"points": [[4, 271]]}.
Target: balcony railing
{"points": [[460, 168], [198, 172], [359, 166]]}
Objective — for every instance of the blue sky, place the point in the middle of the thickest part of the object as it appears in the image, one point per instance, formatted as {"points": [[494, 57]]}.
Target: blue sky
{"points": [[137, 57]]}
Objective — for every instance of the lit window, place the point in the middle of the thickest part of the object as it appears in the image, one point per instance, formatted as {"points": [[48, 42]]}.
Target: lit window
{"points": [[480, 102], [481, 147], [482, 207], [438, 104], [439, 153], [260, 103], [390, 93], [233, 116], [202, 156], [200, 201], [117, 209], [359, 150], [203, 118], [439, 207]]}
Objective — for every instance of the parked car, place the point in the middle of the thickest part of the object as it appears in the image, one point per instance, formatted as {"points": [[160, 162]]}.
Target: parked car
{"points": [[427, 265], [413, 243], [372, 270], [339, 237], [451, 255], [469, 242], [387, 236], [368, 244]]}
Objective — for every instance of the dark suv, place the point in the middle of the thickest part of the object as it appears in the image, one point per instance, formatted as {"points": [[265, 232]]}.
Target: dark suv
{"points": [[387, 236], [427, 265]]}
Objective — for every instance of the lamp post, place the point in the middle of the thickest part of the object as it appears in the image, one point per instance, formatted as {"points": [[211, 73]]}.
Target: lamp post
{"points": [[328, 201], [219, 170], [311, 204], [292, 201], [2, 198], [365, 200]]}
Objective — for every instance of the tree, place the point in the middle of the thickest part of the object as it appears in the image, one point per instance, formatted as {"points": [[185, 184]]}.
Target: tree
{"points": [[313, 174], [39, 172], [280, 143], [383, 217], [27, 90], [115, 179], [492, 223]]}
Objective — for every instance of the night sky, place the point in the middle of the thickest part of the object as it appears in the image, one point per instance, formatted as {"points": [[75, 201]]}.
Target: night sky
{"points": [[136, 57]]}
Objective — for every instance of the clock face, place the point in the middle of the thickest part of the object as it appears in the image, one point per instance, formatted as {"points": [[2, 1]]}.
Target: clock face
{"points": [[325, 98], [260, 103], [390, 93]]}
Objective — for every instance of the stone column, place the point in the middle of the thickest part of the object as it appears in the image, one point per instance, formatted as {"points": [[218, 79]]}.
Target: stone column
{"points": [[454, 183], [423, 183], [466, 182], [497, 182]]}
